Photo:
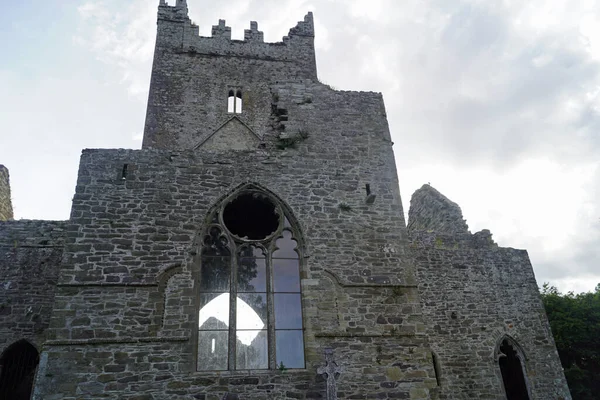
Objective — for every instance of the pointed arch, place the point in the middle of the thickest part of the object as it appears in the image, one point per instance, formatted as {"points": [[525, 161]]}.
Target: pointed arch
{"points": [[512, 366], [247, 278], [18, 364], [257, 187], [513, 342], [162, 280]]}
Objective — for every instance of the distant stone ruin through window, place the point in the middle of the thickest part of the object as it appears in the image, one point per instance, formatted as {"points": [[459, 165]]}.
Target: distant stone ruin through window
{"points": [[234, 101], [18, 364], [511, 366]]}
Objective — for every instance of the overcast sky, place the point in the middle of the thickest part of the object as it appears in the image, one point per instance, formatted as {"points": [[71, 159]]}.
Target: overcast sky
{"points": [[496, 103]]}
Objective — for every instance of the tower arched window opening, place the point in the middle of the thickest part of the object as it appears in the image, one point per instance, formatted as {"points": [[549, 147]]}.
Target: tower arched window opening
{"points": [[231, 102], [238, 102], [234, 101], [250, 313]]}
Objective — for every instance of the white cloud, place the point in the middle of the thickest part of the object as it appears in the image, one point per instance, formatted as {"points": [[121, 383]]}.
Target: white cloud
{"points": [[123, 39]]}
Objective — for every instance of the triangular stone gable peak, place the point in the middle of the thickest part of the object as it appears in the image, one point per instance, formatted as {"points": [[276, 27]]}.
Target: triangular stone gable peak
{"points": [[232, 135]]}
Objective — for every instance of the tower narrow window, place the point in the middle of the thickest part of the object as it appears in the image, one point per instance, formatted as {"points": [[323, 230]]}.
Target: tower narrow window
{"points": [[250, 314], [234, 101], [238, 102], [231, 102], [512, 372], [18, 364]]}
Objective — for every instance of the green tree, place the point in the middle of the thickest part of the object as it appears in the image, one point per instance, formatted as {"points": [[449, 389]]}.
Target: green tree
{"points": [[575, 322]]}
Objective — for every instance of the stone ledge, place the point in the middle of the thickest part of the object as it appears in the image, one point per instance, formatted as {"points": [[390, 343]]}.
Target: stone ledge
{"points": [[334, 334], [78, 342], [109, 285]]}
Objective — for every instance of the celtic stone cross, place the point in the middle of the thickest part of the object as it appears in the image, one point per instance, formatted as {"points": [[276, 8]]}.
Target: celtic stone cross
{"points": [[332, 372]]}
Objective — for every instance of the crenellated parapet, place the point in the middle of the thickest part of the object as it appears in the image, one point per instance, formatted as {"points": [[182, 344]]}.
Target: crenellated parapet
{"points": [[177, 33]]}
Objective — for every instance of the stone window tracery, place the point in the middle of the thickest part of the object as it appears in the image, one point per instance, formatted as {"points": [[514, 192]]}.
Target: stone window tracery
{"points": [[250, 313]]}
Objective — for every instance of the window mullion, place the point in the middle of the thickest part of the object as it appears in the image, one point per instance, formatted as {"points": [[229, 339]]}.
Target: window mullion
{"points": [[233, 310], [271, 314]]}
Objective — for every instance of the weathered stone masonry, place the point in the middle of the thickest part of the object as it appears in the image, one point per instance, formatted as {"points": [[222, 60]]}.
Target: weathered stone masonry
{"points": [[6, 210], [124, 271], [474, 295], [30, 255]]}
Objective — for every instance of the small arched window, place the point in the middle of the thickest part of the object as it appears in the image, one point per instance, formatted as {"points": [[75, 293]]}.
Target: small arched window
{"points": [[250, 313], [234, 101], [18, 364], [511, 361]]}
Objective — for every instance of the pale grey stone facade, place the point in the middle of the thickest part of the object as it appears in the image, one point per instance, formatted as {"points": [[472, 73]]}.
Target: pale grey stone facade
{"points": [[383, 298]]}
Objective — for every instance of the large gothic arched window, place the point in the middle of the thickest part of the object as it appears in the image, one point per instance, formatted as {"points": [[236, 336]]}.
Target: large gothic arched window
{"points": [[250, 313], [511, 361]]}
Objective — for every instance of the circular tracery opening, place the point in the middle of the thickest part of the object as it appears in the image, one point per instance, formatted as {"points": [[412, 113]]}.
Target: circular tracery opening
{"points": [[251, 216]]}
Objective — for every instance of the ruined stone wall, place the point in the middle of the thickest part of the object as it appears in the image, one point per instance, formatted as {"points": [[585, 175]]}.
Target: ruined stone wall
{"points": [[30, 255], [130, 262], [473, 294], [432, 211], [192, 76], [6, 210]]}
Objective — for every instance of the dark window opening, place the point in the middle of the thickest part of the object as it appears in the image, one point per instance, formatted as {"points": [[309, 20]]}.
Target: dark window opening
{"points": [[124, 172], [18, 364], [512, 373], [251, 216], [436, 368], [368, 189]]}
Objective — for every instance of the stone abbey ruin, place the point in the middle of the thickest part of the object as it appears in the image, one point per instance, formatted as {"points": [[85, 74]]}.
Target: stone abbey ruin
{"points": [[256, 248]]}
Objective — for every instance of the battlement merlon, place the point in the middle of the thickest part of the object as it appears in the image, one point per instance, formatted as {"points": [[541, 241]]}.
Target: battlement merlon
{"points": [[175, 10]]}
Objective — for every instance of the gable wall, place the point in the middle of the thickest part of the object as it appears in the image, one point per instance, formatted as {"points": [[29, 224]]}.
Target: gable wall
{"points": [[359, 287]]}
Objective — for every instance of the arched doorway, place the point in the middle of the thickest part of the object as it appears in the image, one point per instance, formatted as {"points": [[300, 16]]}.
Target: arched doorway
{"points": [[510, 360], [18, 364]]}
